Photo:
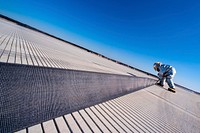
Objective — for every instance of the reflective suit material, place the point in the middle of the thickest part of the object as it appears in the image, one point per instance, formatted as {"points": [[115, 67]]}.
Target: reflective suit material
{"points": [[167, 72]]}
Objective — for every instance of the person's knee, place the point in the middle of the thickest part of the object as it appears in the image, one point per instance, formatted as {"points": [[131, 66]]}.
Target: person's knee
{"points": [[169, 80], [170, 77]]}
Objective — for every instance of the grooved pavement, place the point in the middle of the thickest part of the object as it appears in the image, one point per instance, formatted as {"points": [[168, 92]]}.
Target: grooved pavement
{"points": [[141, 111], [24, 46]]}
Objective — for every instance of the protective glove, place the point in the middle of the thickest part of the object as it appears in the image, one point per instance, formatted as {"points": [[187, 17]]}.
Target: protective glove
{"points": [[160, 74]]}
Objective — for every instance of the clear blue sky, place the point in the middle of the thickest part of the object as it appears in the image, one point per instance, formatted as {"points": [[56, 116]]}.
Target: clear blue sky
{"points": [[137, 33]]}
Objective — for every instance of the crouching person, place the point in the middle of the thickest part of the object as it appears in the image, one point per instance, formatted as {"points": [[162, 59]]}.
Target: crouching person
{"points": [[165, 72]]}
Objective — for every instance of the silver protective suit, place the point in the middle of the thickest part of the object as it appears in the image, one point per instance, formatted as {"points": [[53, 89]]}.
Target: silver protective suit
{"points": [[166, 72]]}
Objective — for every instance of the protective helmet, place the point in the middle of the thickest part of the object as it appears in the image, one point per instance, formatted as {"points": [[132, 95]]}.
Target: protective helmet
{"points": [[156, 66]]}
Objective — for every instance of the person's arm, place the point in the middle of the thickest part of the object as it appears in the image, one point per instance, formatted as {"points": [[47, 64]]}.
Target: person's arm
{"points": [[166, 73]]}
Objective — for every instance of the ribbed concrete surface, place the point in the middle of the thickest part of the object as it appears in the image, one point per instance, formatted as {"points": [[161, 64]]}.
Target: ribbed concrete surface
{"points": [[24, 46], [152, 109], [149, 110]]}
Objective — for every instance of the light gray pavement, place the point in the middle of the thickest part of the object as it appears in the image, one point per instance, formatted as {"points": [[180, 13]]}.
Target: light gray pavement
{"points": [[24, 46], [152, 109]]}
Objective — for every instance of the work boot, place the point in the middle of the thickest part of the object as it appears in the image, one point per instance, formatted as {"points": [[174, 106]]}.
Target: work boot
{"points": [[172, 89], [159, 84]]}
